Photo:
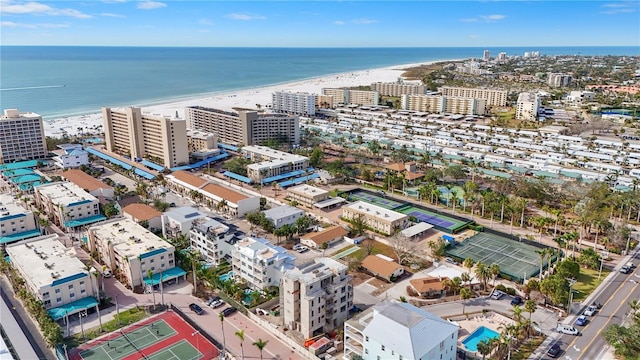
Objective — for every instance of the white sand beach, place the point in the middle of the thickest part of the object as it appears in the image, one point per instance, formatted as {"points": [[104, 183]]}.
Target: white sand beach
{"points": [[92, 123]]}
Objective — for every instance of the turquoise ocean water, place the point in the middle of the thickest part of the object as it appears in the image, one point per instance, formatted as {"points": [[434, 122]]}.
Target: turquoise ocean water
{"points": [[58, 81]]}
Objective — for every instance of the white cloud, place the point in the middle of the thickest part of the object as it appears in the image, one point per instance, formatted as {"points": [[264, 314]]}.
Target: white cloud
{"points": [[469, 20], [40, 9], [244, 17], [338, 22], [206, 22], [204, 31], [620, 7], [363, 21], [473, 36], [11, 24], [484, 18], [150, 5], [112, 15]]}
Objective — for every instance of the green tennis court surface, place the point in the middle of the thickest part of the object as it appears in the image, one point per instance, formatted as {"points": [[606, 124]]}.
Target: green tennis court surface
{"points": [[381, 201], [440, 222], [181, 350], [131, 342], [516, 259]]}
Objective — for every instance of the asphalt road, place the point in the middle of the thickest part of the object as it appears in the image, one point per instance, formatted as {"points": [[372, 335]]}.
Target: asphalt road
{"points": [[614, 297]]}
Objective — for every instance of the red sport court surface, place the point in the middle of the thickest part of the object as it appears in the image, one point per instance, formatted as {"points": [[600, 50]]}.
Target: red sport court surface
{"points": [[162, 337]]}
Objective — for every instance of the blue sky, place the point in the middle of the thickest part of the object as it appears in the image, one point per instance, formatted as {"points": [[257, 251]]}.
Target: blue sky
{"points": [[320, 24]]}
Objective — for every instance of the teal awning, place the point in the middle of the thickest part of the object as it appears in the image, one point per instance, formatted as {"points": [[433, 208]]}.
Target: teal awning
{"points": [[72, 308], [19, 236], [166, 275], [85, 221]]}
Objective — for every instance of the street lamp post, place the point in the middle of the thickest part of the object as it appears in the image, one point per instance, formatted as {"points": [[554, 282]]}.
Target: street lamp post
{"points": [[117, 311], [81, 326], [196, 333]]}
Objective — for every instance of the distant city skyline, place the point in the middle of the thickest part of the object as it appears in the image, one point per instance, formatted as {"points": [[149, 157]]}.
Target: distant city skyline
{"points": [[321, 24]]}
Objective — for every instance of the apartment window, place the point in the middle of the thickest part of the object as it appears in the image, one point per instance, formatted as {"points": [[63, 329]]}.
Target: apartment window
{"points": [[399, 357], [57, 291], [378, 357], [366, 338], [151, 261], [72, 295], [82, 291], [366, 351], [82, 282], [59, 299], [45, 294], [382, 347], [47, 302]]}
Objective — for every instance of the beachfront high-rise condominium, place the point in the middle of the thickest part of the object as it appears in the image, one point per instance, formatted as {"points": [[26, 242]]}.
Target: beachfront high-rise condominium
{"points": [[502, 57], [354, 97], [315, 297], [444, 104], [493, 97], [397, 88], [559, 80], [21, 136], [271, 162], [157, 138], [300, 103], [245, 127], [67, 204], [16, 222], [54, 275], [486, 55], [130, 250], [527, 106]]}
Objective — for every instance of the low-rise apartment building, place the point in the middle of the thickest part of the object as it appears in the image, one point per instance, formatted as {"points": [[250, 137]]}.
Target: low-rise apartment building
{"points": [[378, 218], [87, 182], [16, 222], [271, 162], [316, 297], [396, 330], [70, 156], [22, 136], [244, 127], [259, 263], [354, 97], [283, 215], [307, 195], [444, 104], [299, 103], [324, 238], [214, 240], [178, 221], [143, 214], [54, 275], [67, 204], [130, 251]]}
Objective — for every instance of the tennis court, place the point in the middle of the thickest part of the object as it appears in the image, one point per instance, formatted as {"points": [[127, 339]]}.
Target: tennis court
{"points": [[516, 259], [440, 222], [163, 337], [373, 199]]}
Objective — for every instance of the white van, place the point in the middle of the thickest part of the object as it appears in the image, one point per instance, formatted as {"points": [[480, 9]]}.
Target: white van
{"points": [[567, 329]]}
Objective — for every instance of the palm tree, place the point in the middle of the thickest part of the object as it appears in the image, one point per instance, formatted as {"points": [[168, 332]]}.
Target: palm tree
{"points": [[484, 348], [153, 293], [482, 273], [542, 253], [465, 294], [260, 344], [494, 269], [224, 343], [240, 335], [530, 307]]}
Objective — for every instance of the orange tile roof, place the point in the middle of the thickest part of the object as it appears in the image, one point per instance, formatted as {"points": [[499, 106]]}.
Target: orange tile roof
{"points": [[412, 175], [141, 212], [189, 178], [380, 266], [84, 180], [396, 167], [427, 284], [223, 192], [326, 235]]}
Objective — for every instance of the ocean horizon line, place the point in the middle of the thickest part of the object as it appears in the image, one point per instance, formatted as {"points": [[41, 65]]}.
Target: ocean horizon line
{"points": [[328, 47]]}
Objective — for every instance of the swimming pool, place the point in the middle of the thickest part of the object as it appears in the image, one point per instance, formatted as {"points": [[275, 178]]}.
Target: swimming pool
{"points": [[227, 276], [480, 334]]}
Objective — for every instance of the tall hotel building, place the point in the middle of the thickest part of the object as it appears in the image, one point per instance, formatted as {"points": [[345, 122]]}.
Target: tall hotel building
{"points": [[493, 97], [294, 103], [444, 104], [397, 89], [21, 136], [129, 131], [559, 80], [244, 127], [356, 97], [527, 106]]}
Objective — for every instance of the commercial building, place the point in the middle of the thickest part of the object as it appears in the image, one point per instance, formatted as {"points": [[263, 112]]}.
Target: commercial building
{"points": [[355, 97], [259, 263], [87, 182], [16, 222], [214, 195], [307, 195], [22, 136], [492, 96], [316, 297], [54, 275], [283, 215], [244, 127], [271, 162], [130, 251], [300, 103], [444, 104], [214, 240], [396, 330], [178, 221], [398, 88], [144, 215], [140, 135], [527, 106], [324, 238], [556, 80], [378, 218], [70, 156], [67, 204]]}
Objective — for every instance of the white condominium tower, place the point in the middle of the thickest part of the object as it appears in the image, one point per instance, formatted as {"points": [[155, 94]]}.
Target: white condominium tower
{"points": [[527, 106], [494, 97], [21, 136], [299, 103], [139, 135], [397, 88]]}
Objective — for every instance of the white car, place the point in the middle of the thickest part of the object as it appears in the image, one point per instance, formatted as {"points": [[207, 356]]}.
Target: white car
{"points": [[590, 311], [497, 294], [107, 273]]}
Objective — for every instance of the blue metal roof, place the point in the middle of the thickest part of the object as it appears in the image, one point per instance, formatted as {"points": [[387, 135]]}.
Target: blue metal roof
{"points": [[152, 253], [144, 174], [9, 217], [20, 165], [151, 165], [166, 275], [72, 308], [17, 172], [239, 177], [19, 236], [81, 202], [282, 176], [68, 279], [109, 158], [201, 163], [85, 221], [299, 180], [228, 147]]}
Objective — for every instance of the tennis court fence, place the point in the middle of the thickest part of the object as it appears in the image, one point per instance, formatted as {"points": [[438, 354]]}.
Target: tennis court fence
{"points": [[202, 332]]}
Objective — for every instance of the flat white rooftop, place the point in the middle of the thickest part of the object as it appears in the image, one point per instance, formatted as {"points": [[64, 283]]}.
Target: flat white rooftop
{"points": [[44, 260], [129, 238], [65, 193], [375, 211], [307, 190], [9, 206], [273, 154]]}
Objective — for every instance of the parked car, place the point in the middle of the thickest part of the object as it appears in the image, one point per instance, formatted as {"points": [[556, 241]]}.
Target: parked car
{"points": [[567, 329], [451, 261], [497, 294], [582, 320], [212, 300], [596, 305], [229, 311], [625, 269], [302, 249], [107, 273], [554, 351], [196, 308], [216, 304], [590, 311], [517, 300]]}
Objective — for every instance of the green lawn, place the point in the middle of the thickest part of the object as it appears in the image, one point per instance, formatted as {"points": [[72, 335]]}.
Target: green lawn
{"points": [[587, 281]]}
